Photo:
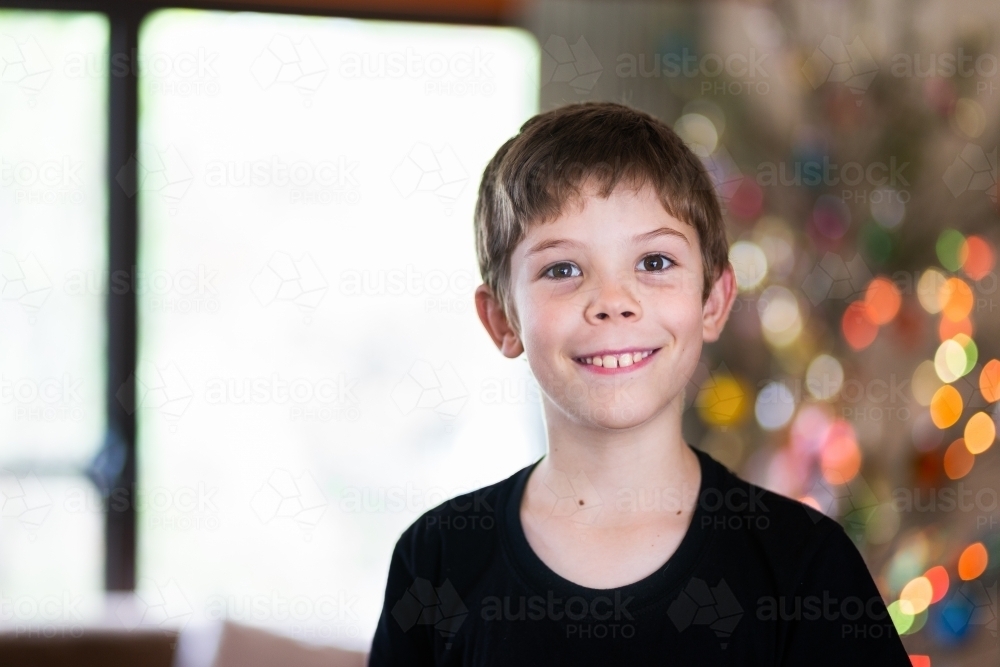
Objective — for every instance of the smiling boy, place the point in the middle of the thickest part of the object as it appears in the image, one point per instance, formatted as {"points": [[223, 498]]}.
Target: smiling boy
{"points": [[604, 260]]}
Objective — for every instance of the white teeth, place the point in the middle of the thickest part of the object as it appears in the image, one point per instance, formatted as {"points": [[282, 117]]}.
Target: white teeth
{"points": [[616, 360]]}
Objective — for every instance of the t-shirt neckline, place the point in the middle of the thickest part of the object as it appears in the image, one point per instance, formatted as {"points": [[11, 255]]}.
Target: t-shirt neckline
{"points": [[654, 587]]}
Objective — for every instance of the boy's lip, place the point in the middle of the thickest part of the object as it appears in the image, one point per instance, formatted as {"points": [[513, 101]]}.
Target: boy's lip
{"points": [[605, 370]]}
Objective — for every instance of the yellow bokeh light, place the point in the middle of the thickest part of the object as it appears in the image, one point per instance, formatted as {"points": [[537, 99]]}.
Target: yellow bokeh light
{"points": [[925, 382], [929, 289], [721, 401], [917, 595], [950, 360]]}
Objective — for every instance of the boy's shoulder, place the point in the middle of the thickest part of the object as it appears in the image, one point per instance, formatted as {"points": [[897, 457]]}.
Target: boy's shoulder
{"points": [[462, 530], [785, 531]]}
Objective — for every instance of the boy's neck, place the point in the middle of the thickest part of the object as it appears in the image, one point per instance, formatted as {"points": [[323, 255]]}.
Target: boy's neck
{"points": [[650, 457]]}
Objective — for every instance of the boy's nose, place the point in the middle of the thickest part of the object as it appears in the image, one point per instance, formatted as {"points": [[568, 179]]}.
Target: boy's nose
{"points": [[625, 313], [612, 302]]}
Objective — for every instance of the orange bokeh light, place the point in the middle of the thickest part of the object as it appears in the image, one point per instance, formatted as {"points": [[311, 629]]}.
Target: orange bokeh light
{"points": [[980, 432], [920, 661], [946, 406], [949, 329], [958, 460], [989, 381], [882, 299], [972, 562], [956, 299], [859, 329]]}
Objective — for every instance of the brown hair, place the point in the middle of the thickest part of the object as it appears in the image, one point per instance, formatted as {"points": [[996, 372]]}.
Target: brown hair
{"points": [[535, 173]]}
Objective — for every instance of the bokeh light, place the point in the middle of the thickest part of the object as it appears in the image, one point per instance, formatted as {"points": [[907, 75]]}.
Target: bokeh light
{"points": [[840, 458], [929, 290], [980, 432], [698, 132], [900, 617], [721, 400], [749, 264], [780, 315], [775, 406], [882, 298], [887, 207], [950, 360], [916, 596], [924, 382], [949, 247], [938, 576], [831, 216], [979, 257], [969, 118], [858, 328], [989, 381], [956, 299], [972, 562], [825, 377], [946, 406], [958, 461]]}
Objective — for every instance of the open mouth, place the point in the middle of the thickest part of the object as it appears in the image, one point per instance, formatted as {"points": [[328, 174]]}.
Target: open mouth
{"points": [[616, 359]]}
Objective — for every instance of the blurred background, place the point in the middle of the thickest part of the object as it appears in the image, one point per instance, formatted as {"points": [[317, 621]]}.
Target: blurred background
{"points": [[238, 348]]}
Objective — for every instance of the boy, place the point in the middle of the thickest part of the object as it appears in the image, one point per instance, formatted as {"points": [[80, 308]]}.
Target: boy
{"points": [[605, 261]]}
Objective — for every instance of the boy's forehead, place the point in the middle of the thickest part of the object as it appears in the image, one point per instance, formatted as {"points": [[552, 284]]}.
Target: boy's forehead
{"points": [[622, 197]]}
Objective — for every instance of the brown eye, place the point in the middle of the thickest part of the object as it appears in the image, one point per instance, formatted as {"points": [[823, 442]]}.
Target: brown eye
{"points": [[562, 270], [656, 262]]}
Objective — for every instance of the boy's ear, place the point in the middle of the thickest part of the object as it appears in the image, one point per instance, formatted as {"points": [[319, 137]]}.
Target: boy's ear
{"points": [[720, 301], [496, 324]]}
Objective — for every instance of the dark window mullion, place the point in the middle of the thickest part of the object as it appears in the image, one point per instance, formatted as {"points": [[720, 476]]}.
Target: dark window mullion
{"points": [[120, 446]]}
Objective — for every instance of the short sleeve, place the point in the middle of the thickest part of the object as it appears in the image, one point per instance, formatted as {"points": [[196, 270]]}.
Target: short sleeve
{"points": [[400, 637], [837, 615]]}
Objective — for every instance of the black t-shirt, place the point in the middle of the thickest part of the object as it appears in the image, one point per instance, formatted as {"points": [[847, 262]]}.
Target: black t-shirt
{"points": [[758, 579]]}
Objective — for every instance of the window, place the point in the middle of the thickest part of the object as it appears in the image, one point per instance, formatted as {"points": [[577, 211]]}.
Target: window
{"points": [[311, 372], [53, 276]]}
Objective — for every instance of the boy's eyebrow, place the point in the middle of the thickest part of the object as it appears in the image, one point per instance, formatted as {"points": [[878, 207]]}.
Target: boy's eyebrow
{"points": [[638, 238], [551, 243], [662, 231]]}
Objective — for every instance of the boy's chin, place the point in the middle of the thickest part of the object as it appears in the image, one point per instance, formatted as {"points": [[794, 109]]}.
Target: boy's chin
{"points": [[610, 416]]}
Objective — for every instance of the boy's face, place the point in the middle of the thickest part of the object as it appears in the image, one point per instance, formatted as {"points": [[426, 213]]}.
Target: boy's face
{"points": [[609, 300]]}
